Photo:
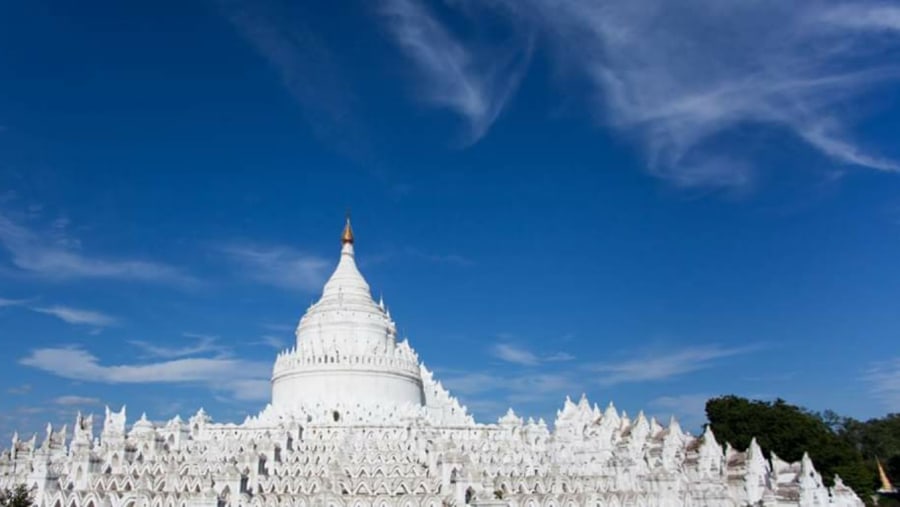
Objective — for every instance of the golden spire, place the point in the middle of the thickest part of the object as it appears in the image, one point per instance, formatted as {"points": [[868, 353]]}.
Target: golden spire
{"points": [[347, 236], [886, 486]]}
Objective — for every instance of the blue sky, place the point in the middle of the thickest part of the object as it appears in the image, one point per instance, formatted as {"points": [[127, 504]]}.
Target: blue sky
{"points": [[643, 203]]}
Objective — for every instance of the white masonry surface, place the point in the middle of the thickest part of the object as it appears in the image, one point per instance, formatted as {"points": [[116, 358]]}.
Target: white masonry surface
{"points": [[357, 420]]}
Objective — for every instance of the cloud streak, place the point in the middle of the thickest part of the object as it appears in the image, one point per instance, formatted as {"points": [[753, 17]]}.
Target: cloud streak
{"points": [[307, 68], [279, 266], [678, 77], [476, 85], [884, 381], [203, 345], [73, 400], [661, 366], [867, 16], [12, 302], [58, 256], [239, 377], [19, 390], [708, 68], [77, 316], [513, 354], [689, 408], [494, 392], [275, 342], [521, 356]]}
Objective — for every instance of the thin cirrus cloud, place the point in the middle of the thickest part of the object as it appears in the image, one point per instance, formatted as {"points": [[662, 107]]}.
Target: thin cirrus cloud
{"points": [[502, 391], [870, 16], [437, 258], [279, 266], [884, 382], [56, 255], [677, 76], [20, 390], [74, 400], [12, 302], [275, 342], [307, 68], [473, 82], [689, 408], [77, 316], [661, 366], [493, 392], [203, 345], [244, 380], [514, 354], [490, 395], [522, 356]]}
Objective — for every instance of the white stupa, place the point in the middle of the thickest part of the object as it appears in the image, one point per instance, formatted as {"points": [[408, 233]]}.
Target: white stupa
{"points": [[347, 357], [357, 420]]}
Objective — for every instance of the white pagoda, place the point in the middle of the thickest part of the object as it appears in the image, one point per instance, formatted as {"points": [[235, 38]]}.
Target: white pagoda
{"points": [[357, 420]]}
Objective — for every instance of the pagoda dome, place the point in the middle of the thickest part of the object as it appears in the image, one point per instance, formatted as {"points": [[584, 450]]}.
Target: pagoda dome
{"points": [[346, 353]]}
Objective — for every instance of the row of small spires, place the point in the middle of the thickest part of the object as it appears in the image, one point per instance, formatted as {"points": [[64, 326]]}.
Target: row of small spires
{"points": [[294, 351], [144, 423]]}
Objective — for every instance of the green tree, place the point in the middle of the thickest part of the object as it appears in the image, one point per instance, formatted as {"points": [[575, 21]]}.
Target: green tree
{"points": [[789, 431], [17, 497], [877, 439]]}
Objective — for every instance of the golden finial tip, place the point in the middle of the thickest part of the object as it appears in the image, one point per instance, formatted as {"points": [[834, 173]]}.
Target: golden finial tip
{"points": [[347, 236]]}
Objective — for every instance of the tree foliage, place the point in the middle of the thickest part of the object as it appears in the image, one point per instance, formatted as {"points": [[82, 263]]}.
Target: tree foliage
{"points": [[17, 497], [834, 443]]}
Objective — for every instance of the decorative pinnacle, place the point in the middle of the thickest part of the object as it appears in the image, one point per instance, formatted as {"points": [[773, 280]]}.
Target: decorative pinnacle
{"points": [[347, 236]]}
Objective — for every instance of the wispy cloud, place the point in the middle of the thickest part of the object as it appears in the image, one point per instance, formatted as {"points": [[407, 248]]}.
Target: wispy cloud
{"points": [[690, 409], [309, 71], [19, 390], [864, 16], [56, 255], [677, 76], [203, 344], [559, 357], [280, 328], [12, 302], [240, 378], [438, 258], [491, 394], [530, 388], [514, 354], [73, 400], [526, 387], [31, 410], [659, 366], [884, 382], [77, 316], [250, 389], [517, 354], [280, 266], [462, 382], [475, 84], [410, 253], [276, 342]]}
